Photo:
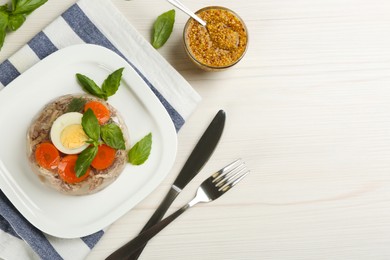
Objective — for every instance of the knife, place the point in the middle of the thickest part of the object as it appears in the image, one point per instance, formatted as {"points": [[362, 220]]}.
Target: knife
{"points": [[195, 162]]}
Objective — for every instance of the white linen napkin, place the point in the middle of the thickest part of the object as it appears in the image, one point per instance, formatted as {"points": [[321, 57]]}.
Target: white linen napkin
{"points": [[94, 22]]}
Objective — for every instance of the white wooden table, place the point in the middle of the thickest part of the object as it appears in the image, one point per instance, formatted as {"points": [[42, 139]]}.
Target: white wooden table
{"points": [[308, 109]]}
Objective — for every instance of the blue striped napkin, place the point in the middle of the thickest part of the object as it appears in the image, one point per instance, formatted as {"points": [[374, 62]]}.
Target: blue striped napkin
{"points": [[94, 22]]}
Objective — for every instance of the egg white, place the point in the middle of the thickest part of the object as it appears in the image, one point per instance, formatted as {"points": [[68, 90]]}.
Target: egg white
{"points": [[58, 126]]}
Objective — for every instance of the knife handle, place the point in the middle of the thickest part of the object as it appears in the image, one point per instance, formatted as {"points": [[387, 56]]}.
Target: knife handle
{"points": [[136, 245], [162, 209], [123, 252]]}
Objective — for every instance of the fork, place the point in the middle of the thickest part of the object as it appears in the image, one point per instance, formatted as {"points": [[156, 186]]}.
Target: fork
{"points": [[211, 189]]}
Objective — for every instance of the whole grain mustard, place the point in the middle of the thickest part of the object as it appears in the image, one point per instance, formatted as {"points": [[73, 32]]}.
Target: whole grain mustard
{"points": [[221, 43]]}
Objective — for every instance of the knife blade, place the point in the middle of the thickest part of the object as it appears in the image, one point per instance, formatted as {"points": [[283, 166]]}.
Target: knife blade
{"points": [[195, 162]]}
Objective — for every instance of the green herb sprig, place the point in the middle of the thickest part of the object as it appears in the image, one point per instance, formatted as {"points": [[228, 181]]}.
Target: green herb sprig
{"points": [[76, 105], [162, 28], [14, 15], [110, 134], [109, 86], [140, 152]]}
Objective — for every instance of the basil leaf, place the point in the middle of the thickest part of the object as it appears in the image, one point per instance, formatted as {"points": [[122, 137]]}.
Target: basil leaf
{"points": [[112, 136], [76, 105], [90, 86], [15, 21], [4, 8], [112, 82], [140, 152], [13, 5], [3, 26], [26, 6], [91, 125], [162, 28], [84, 160]]}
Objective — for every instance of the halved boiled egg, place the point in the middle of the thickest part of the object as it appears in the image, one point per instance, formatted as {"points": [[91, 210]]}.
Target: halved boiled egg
{"points": [[68, 135]]}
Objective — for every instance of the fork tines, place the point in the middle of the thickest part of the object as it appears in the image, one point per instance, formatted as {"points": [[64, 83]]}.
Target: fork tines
{"points": [[230, 175]]}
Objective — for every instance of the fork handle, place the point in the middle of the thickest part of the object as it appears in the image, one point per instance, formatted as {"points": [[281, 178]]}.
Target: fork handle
{"points": [[155, 218], [145, 236]]}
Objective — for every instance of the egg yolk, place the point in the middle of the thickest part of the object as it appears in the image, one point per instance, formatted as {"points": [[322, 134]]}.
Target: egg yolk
{"points": [[73, 136]]}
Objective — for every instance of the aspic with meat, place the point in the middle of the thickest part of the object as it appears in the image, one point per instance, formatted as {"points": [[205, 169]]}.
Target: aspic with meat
{"points": [[77, 144], [53, 153]]}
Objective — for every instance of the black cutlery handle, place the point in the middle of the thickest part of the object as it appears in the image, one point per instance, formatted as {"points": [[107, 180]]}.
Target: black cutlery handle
{"points": [[122, 253], [198, 157], [140, 240], [132, 248], [162, 209]]}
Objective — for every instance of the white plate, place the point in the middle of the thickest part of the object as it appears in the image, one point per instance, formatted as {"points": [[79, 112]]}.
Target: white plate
{"points": [[75, 216]]}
